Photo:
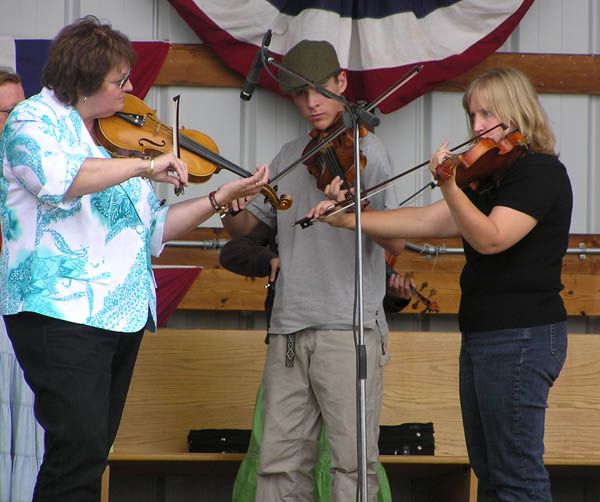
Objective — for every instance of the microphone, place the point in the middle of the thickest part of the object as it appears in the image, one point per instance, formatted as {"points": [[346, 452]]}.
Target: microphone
{"points": [[255, 69]]}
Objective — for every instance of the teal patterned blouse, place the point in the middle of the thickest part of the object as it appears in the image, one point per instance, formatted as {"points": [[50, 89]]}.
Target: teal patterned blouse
{"points": [[85, 259]]}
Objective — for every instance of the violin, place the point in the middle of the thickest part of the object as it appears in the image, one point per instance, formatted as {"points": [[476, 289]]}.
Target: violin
{"points": [[430, 305], [136, 131], [486, 159], [336, 157]]}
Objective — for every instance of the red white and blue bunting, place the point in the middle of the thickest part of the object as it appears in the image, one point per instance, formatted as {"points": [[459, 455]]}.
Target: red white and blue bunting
{"points": [[376, 41]]}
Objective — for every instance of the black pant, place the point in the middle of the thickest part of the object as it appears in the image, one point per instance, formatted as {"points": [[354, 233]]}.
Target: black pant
{"points": [[80, 376]]}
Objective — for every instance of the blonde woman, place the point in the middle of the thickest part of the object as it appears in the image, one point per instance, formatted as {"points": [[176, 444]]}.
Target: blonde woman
{"points": [[515, 232]]}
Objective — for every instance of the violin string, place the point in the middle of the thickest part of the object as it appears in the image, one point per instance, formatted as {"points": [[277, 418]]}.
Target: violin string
{"points": [[309, 154], [334, 166]]}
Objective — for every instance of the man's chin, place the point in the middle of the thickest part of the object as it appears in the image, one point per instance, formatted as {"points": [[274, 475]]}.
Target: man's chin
{"points": [[321, 123]]}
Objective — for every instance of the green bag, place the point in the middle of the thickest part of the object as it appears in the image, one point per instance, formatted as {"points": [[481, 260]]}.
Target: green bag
{"points": [[244, 487]]}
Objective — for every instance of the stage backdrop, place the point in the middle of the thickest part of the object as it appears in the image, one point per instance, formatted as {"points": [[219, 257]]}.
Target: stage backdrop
{"points": [[377, 42]]}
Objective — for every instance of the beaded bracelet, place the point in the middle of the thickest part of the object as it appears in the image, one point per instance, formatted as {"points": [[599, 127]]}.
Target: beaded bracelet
{"points": [[215, 205]]}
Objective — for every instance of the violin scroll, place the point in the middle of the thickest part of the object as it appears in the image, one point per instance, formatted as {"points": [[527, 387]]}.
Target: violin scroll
{"points": [[282, 202], [430, 305]]}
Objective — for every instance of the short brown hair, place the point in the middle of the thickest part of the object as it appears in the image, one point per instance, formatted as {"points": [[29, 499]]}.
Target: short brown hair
{"points": [[81, 56], [7, 76]]}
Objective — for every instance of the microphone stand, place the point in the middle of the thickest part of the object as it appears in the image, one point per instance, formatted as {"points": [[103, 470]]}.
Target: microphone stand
{"points": [[353, 115]]}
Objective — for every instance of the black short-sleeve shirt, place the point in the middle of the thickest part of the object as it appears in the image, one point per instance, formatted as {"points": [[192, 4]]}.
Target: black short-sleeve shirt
{"points": [[520, 286]]}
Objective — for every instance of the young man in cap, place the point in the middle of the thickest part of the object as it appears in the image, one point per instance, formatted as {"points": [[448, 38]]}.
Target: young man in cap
{"points": [[310, 367]]}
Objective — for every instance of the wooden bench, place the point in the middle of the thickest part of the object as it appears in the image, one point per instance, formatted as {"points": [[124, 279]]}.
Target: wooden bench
{"points": [[193, 379]]}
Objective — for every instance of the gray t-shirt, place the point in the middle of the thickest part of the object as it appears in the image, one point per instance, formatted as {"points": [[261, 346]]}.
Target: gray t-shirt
{"points": [[315, 286]]}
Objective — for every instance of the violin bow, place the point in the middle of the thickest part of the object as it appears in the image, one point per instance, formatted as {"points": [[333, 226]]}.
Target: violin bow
{"points": [[176, 148], [338, 207]]}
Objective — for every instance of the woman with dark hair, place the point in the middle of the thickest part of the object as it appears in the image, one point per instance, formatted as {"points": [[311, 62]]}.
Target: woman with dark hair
{"points": [[76, 285]]}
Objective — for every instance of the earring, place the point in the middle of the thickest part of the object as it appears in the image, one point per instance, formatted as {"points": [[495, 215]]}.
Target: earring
{"points": [[85, 99]]}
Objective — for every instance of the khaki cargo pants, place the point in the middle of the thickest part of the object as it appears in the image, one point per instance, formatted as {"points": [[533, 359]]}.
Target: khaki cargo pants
{"points": [[319, 386]]}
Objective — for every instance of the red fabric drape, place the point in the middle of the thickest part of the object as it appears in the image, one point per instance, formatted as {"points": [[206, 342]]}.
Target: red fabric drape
{"points": [[171, 286], [150, 58]]}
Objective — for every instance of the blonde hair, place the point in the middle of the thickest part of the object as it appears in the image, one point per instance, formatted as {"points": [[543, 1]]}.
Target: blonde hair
{"points": [[509, 95]]}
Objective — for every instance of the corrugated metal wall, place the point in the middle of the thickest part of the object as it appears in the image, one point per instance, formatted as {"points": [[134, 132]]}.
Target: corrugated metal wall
{"points": [[248, 133], [252, 132]]}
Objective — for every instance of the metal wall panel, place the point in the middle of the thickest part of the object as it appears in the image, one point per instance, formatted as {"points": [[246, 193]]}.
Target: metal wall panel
{"points": [[31, 18], [249, 133]]}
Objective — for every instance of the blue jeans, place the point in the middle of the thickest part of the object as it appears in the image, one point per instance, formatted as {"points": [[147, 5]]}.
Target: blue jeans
{"points": [[505, 377]]}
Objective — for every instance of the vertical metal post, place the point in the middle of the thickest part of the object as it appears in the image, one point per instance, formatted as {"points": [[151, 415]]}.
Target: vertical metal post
{"points": [[361, 353]]}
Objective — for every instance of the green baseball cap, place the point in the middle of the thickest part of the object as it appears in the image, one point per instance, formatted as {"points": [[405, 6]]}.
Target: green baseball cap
{"points": [[315, 60]]}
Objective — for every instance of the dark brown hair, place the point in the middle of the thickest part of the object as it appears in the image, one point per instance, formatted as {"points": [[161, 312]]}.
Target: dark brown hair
{"points": [[81, 56]]}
